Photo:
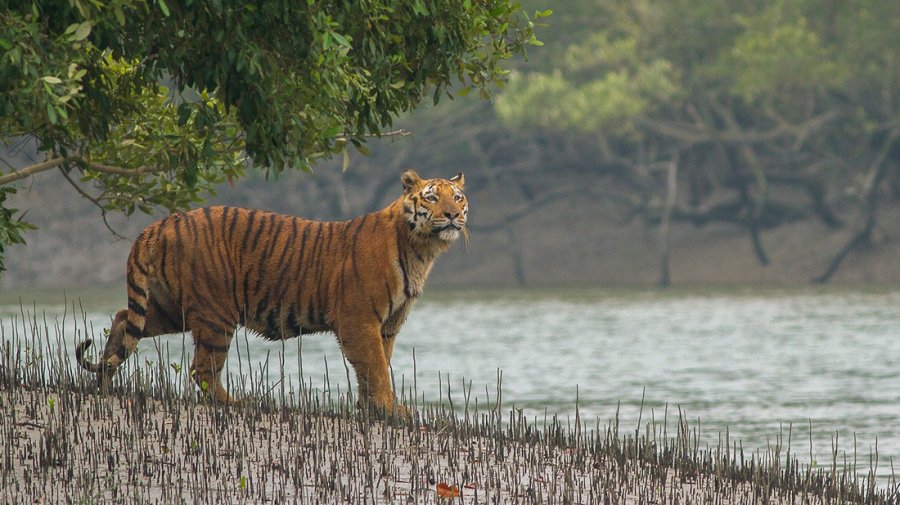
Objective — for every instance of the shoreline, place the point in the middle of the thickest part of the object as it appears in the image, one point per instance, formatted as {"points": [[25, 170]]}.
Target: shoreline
{"points": [[66, 444]]}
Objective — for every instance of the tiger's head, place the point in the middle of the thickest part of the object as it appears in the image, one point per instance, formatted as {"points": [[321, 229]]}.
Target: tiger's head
{"points": [[435, 208]]}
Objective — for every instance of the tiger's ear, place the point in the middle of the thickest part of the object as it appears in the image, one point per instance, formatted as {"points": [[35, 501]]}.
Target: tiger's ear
{"points": [[459, 179], [410, 180]]}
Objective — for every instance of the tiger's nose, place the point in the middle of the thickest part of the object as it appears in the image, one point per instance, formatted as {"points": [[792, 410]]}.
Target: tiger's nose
{"points": [[451, 215]]}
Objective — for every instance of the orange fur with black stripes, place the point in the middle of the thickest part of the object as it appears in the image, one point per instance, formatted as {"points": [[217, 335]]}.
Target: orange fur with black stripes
{"points": [[211, 269]]}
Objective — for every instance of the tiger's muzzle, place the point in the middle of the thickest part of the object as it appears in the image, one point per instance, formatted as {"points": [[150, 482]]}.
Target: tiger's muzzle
{"points": [[448, 231]]}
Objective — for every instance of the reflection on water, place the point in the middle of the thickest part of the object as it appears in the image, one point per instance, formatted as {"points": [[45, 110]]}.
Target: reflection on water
{"points": [[758, 363]]}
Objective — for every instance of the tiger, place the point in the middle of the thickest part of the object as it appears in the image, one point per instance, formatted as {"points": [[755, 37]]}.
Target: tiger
{"points": [[211, 269]]}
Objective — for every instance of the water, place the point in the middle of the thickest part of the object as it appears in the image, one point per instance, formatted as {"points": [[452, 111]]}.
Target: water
{"points": [[820, 367]]}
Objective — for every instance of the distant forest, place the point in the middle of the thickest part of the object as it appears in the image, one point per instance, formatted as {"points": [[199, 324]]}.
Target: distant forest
{"points": [[647, 142]]}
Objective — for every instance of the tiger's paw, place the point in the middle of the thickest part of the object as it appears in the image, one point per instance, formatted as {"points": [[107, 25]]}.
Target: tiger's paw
{"points": [[401, 412], [392, 412]]}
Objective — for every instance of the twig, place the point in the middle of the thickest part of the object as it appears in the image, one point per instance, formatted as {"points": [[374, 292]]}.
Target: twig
{"points": [[395, 133], [130, 172], [95, 202], [31, 424]]}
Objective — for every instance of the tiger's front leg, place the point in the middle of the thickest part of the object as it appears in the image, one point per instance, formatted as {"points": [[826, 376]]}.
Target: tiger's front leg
{"points": [[212, 339], [362, 345]]}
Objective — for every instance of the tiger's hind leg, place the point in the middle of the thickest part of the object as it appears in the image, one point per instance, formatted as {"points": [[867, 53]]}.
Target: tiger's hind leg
{"points": [[115, 351], [159, 319], [128, 324], [211, 344]]}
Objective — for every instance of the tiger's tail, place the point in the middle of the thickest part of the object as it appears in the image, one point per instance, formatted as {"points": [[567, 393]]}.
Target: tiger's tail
{"points": [[82, 361]]}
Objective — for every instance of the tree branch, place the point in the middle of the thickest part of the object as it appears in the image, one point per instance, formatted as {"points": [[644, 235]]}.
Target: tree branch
{"points": [[522, 211], [544, 198], [16, 175], [877, 170], [51, 163], [693, 135]]}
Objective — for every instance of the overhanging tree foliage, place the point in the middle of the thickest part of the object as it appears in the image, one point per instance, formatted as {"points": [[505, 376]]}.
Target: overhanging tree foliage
{"points": [[751, 113], [272, 84]]}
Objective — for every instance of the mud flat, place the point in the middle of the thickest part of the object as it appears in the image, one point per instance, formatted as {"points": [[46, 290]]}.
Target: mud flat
{"points": [[66, 445], [156, 439]]}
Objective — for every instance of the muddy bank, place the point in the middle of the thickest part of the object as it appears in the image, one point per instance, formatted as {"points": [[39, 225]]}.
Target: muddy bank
{"points": [[65, 445]]}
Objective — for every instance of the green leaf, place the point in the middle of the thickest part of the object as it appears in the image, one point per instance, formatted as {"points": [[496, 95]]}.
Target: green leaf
{"points": [[120, 14], [51, 79], [332, 132], [5, 44], [346, 162], [341, 39], [81, 32], [184, 113], [51, 113], [163, 7], [190, 175]]}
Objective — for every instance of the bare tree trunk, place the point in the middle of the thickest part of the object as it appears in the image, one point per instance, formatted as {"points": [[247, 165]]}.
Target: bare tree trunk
{"points": [[877, 171], [757, 243], [665, 279], [754, 203], [516, 251], [859, 238]]}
